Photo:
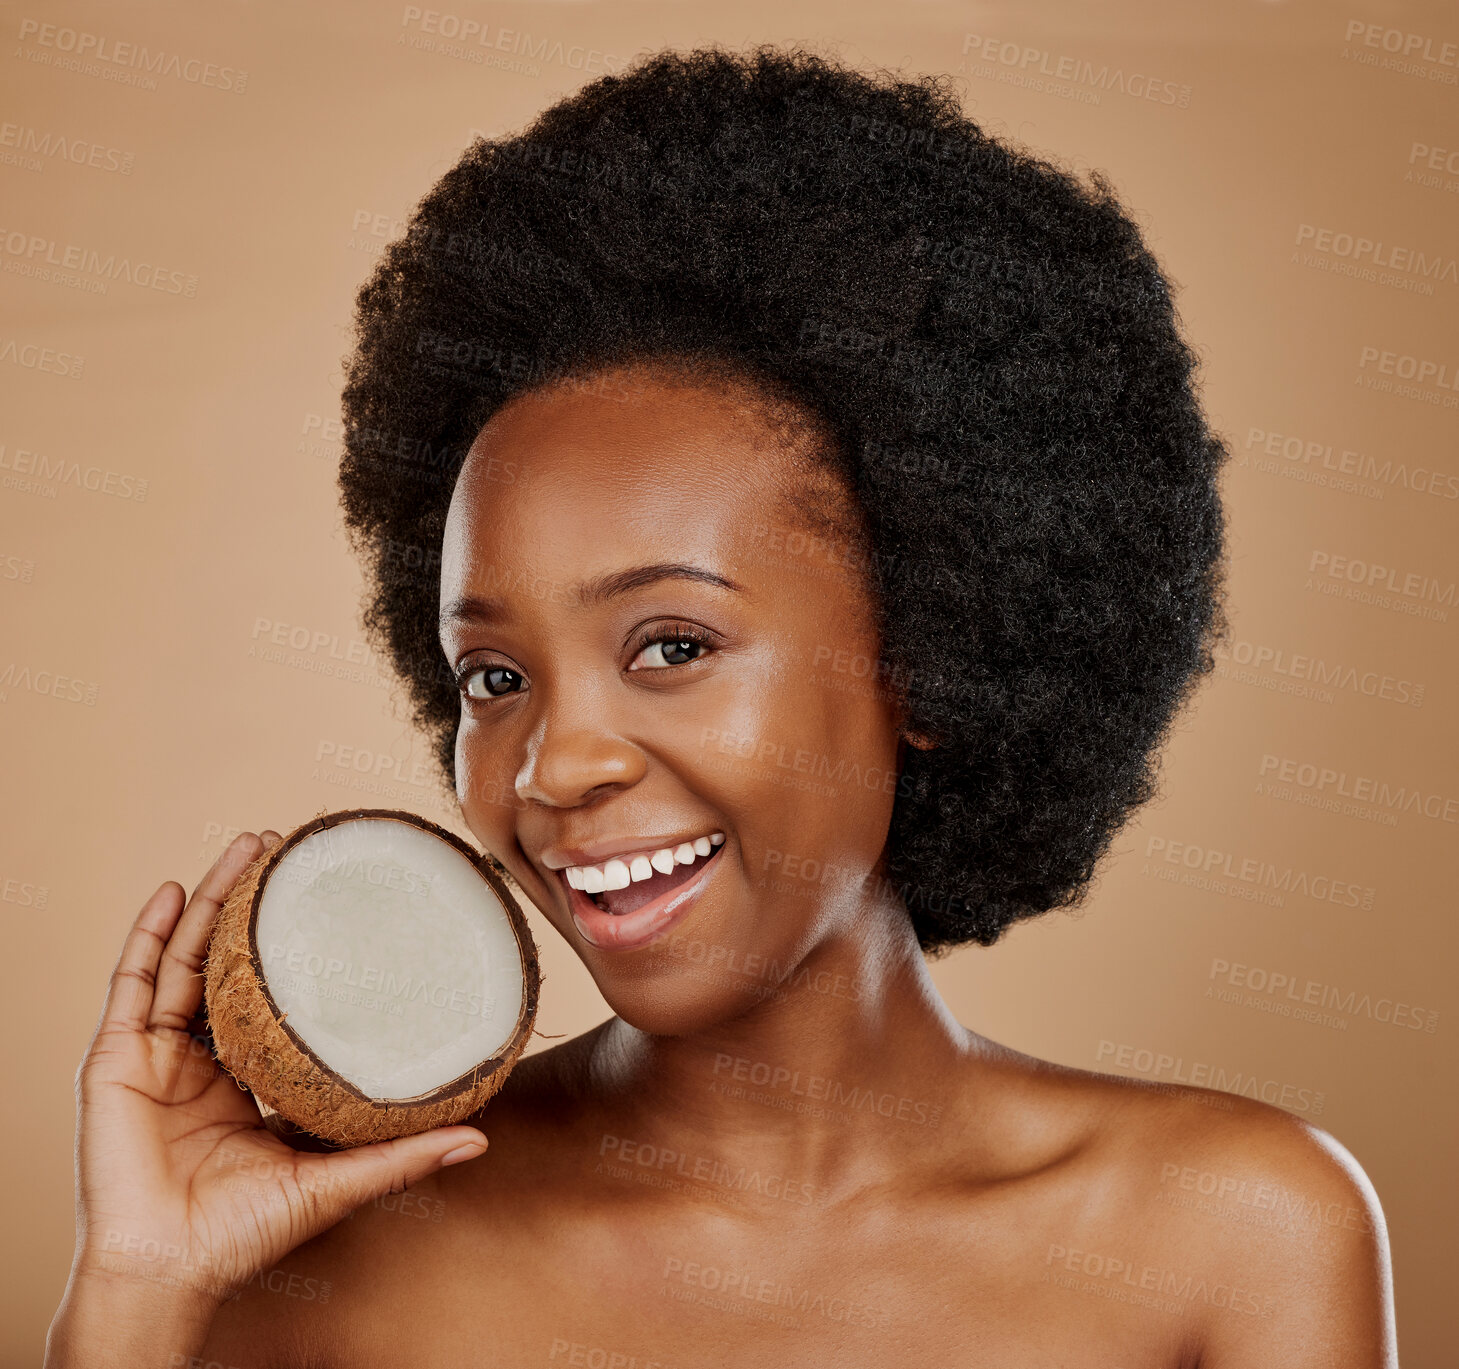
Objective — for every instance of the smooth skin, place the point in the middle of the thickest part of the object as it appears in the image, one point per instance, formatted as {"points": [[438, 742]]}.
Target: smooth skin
{"points": [[782, 1148]]}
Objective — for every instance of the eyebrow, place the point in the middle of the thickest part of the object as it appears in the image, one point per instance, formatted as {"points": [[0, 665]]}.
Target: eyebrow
{"points": [[470, 608]]}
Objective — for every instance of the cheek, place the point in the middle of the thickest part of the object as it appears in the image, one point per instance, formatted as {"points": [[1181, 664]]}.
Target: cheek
{"points": [[805, 771], [485, 791]]}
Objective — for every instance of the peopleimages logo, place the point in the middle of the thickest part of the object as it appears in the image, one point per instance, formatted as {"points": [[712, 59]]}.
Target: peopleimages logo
{"points": [[1382, 257], [823, 1088], [1415, 47], [1178, 1285], [1284, 990], [709, 1169], [1329, 465], [835, 770], [321, 975], [1318, 779], [1258, 873], [1031, 62], [131, 63], [1296, 668], [465, 37], [1421, 370], [56, 471], [33, 356], [65, 147], [1176, 1069], [32, 254]]}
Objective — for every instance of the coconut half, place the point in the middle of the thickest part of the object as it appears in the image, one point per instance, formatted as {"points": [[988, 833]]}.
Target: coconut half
{"points": [[370, 977]]}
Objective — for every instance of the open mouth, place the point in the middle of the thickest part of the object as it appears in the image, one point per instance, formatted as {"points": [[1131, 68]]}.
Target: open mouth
{"points": [[625, 885]]}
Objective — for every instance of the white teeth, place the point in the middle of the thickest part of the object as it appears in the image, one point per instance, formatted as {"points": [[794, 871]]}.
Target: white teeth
{"points": [[615, 875], [618, 873]]}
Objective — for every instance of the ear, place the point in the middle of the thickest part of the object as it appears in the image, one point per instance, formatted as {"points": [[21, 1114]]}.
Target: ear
{"points": [[918, 739]]}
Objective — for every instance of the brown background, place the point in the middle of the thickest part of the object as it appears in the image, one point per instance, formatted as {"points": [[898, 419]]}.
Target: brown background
{"points": [[148, 712]]}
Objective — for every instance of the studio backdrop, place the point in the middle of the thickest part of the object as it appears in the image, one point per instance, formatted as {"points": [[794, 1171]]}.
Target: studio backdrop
{"points": [[189, 199]]}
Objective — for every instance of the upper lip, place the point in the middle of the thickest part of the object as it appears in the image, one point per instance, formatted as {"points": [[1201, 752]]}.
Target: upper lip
{"points": [[560, 857]]}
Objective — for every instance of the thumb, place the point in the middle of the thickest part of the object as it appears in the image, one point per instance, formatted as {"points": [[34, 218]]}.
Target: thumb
{"points": [[337, 1184]]}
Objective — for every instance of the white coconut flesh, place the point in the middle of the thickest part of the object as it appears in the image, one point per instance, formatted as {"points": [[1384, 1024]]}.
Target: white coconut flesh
{"points": [[389, 956]]}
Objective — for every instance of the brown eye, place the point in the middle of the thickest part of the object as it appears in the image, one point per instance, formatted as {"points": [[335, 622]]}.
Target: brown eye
{"points": [[672, 651], [495, 680]]}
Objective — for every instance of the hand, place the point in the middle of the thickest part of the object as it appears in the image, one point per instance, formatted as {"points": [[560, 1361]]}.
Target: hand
{"points": [[179, 1183]]}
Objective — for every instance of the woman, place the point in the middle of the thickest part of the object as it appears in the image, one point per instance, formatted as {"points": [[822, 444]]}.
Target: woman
{"points": [[753, 454]]}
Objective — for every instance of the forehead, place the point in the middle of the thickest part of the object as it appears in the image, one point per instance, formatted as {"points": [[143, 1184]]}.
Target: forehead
{"points": [[619, 425], [569, 479]]}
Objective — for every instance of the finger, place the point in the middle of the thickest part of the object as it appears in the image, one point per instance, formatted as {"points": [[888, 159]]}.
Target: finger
{"points": [[129, 994], [341, 1182], [179, 990]]}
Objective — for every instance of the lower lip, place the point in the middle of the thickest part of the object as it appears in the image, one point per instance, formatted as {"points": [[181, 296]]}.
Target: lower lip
{"points": [[628, 931]]}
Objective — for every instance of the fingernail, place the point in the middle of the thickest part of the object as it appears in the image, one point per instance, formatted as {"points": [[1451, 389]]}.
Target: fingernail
{"points": [[467, 1152]]}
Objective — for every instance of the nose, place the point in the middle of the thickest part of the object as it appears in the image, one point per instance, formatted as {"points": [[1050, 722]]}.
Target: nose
{"points": [[575, 760]]}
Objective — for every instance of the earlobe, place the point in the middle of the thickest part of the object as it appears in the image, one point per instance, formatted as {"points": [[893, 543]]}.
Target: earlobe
{"points": [[918, 739]]}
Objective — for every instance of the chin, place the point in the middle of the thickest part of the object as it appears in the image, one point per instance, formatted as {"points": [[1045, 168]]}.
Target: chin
{"points": [[704, 975], [678, 1001]]}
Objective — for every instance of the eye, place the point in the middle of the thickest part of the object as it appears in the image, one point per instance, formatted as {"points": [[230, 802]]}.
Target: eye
{"points": [[679, 644], [487, 681], [658, 652]]}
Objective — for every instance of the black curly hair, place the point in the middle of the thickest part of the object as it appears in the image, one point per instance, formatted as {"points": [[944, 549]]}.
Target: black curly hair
{"points": [[989, 339]]}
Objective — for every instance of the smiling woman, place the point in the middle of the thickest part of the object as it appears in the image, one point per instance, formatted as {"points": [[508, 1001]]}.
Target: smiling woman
{"points": [[827, 535], [647, 703], [974, 402]]}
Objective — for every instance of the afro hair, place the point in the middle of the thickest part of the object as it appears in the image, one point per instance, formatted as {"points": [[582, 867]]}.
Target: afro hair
{"points": [[988, 337]]}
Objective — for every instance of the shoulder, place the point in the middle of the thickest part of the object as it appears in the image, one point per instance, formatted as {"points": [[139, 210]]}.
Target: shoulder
{"points": [[1264, 1224]]}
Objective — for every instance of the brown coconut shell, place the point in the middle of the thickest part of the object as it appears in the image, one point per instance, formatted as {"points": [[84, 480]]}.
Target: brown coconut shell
{"points": [[298, 1094]]}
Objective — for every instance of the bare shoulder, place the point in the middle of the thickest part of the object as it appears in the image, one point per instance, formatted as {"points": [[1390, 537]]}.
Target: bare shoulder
{"points": [[338, 1299], [1285, 1209], [1263, 1225]]}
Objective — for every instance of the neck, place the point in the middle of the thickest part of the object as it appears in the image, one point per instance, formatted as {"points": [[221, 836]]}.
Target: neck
{"points": [[843, 1066]]}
